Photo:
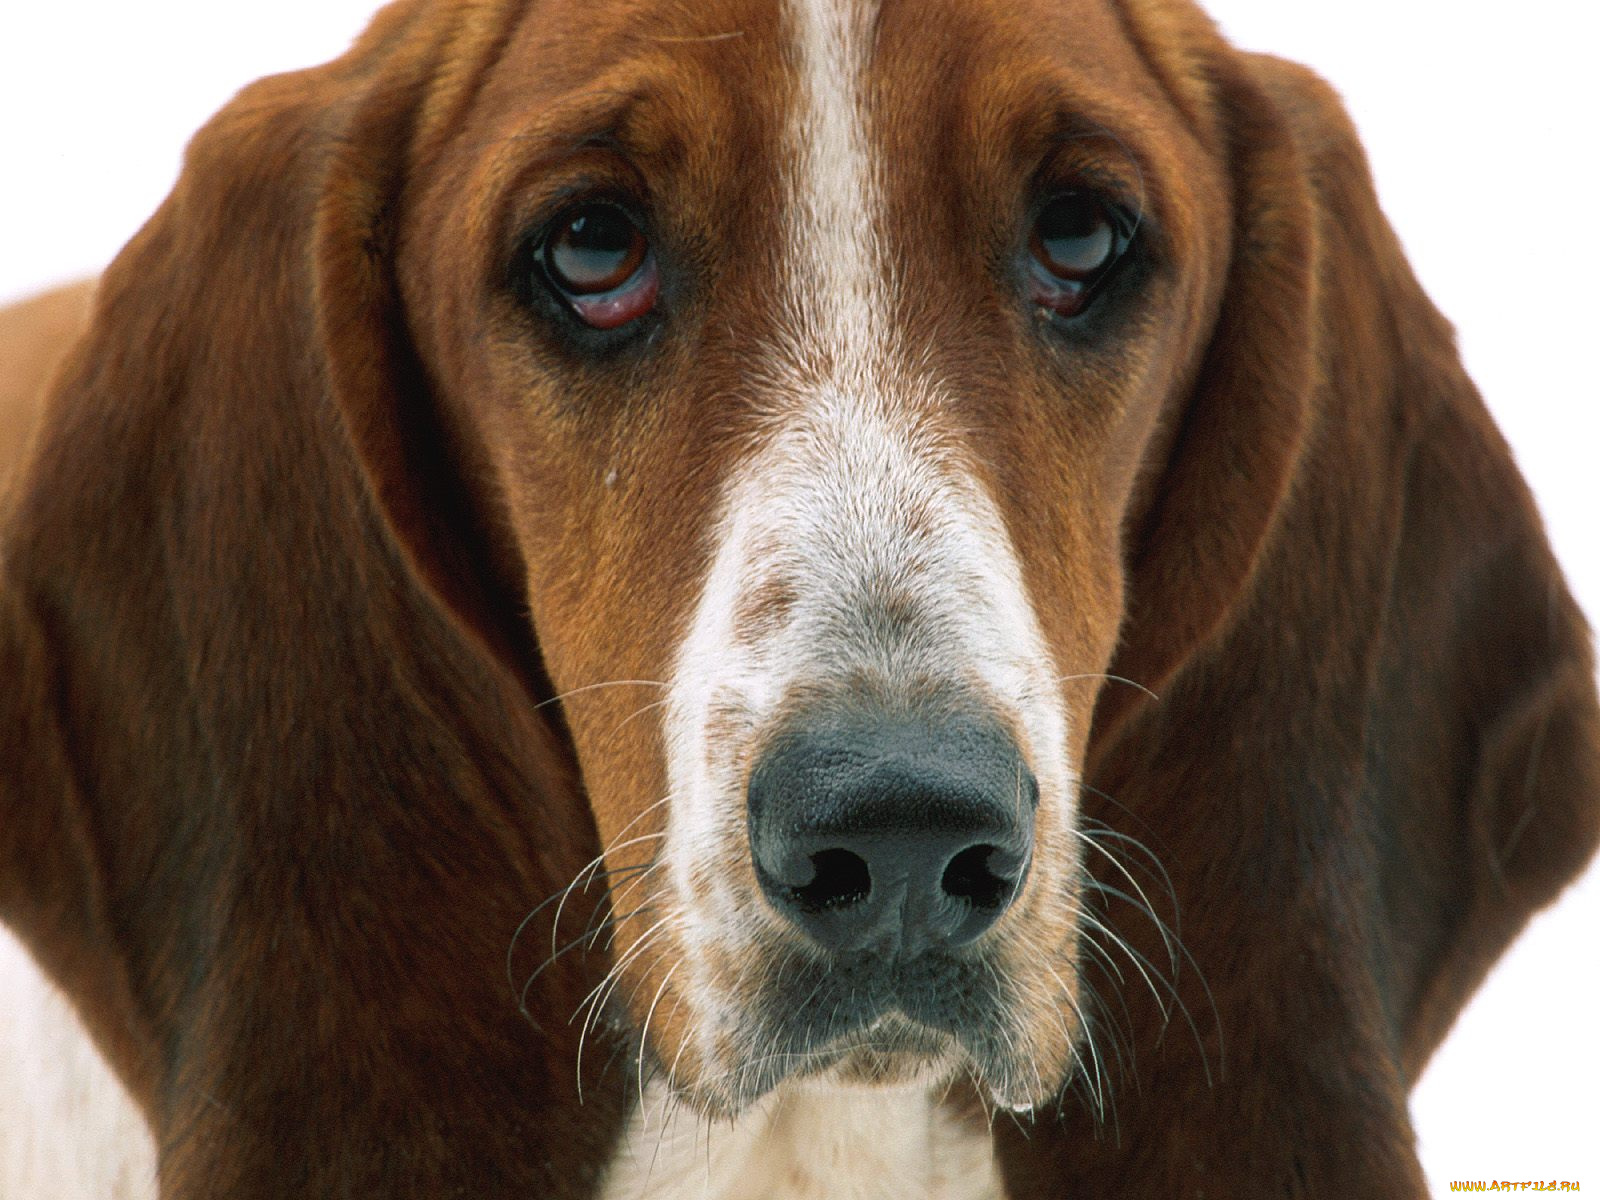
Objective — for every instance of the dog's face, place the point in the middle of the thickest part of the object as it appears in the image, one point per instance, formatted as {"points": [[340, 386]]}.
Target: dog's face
{"points": [[816, 349]]}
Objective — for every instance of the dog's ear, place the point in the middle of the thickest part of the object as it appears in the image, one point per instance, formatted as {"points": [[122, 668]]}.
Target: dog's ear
{"points": [[268, 273], [1334, 426], [1377, 746], [286, 799]]}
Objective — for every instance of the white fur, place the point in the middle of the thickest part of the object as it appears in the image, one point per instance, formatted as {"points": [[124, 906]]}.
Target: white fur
{"points": [[833, 192], [806, 1143], [68, 1129]]}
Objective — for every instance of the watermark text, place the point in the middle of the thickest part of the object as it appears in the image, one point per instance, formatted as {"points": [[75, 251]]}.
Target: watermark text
{"points": [[1514, 1185]]}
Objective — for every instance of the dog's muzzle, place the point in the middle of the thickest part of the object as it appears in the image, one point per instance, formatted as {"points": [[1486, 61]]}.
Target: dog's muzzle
{"points": [[891, 838]]}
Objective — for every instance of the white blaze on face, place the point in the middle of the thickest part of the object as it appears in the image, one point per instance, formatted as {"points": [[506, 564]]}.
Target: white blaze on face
{"points": [[854, 548], [837, 287]]}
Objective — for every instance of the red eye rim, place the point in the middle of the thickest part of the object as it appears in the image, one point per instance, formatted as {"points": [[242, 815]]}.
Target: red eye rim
{"points": [[601, 299], [1066, 289], [613, 309]]}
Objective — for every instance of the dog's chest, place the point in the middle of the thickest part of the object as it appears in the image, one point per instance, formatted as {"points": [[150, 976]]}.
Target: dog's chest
{"points": [[806, 1144]]}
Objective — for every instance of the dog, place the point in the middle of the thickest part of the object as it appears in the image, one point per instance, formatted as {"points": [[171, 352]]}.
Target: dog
{"points": [[775, 599]]}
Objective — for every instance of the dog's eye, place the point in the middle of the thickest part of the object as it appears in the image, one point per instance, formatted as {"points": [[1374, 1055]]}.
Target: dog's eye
{"points": [[599, 261], [1075, 241]]}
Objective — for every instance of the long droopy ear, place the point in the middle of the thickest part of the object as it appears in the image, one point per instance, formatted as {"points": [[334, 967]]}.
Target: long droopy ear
{"points": [[274, 796], [1376, 749], [1330, 375]]}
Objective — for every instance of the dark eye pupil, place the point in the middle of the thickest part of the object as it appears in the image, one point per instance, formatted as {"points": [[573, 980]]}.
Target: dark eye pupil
{"points": [[1073, 237], [597, 249]]}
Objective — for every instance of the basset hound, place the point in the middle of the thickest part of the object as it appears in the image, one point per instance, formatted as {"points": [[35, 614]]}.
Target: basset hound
{"points": [[771, 598]]}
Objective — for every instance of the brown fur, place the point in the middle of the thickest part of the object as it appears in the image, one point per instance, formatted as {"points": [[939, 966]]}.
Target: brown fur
{"points": [[317, 522]]}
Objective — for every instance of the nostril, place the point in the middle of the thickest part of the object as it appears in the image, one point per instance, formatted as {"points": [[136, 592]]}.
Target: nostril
{"points": [[841, 880], [978, 876]]}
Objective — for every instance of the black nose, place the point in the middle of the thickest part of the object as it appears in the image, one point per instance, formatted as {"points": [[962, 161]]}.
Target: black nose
{"points": [[895, 835]]}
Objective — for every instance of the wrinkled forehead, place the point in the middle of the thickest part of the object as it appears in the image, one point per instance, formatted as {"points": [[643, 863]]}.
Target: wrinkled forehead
{"points": [[720, 99]]}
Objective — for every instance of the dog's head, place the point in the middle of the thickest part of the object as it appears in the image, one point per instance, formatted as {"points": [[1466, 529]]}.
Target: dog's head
{"points": [[837, 415], [812, 352]]}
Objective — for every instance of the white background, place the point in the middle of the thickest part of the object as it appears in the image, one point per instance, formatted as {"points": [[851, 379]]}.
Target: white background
{"points": [[1481, 122]]}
